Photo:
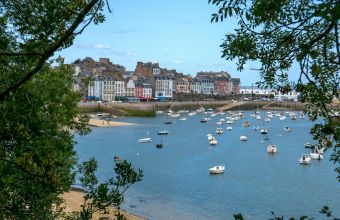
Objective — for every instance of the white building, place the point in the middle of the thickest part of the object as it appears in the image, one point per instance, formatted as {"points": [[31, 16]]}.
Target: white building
{"points": [[119, 88], [207, 86], [108, 89], [195, 87], [164, 87], [248, 90], [147, 90], [95, 88], [130, 88]]}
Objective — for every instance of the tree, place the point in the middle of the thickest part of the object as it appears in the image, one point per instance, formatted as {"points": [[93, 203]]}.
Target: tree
{"points": [[281, 34], [287, 33], [38, 109]]}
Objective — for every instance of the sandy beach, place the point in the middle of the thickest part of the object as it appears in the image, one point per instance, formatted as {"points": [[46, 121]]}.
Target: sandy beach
{"points": [[106, 123], [74, 199]]}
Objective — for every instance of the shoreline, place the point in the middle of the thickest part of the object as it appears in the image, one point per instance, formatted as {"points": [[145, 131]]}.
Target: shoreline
{"points": [[108, 123], [73, 200]]}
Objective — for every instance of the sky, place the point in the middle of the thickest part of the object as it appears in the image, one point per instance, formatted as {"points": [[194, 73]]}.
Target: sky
{"points": [[177, 34]]}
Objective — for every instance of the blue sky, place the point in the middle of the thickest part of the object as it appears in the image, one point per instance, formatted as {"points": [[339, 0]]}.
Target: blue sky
{"points": [[176, 34]]}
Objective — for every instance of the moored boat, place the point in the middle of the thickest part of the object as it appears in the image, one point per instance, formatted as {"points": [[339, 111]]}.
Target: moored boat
{"points": [[271, 148], [217, 169]]}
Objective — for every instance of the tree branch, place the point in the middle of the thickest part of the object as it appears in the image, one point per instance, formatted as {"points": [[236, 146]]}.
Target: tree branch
{"points": [[49, 51]]}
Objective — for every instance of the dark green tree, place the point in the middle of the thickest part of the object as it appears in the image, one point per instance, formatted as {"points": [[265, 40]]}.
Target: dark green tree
{"points": [[280, 34], [38, 111]]}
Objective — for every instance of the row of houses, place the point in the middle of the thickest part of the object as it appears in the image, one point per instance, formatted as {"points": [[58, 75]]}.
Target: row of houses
{"points": [[108, 81]]}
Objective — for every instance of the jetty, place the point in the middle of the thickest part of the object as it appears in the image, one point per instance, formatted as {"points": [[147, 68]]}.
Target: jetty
{"points": [[230, 106]]}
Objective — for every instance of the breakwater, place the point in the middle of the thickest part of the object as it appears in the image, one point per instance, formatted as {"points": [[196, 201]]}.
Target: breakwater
{"points": [[148, 109]]}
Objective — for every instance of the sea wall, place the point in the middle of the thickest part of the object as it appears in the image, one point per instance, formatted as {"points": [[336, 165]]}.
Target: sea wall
{"points": [[148, 109]]}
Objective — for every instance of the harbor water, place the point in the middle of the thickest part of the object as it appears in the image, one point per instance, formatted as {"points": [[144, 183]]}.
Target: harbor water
{"points": [[177, 183]]}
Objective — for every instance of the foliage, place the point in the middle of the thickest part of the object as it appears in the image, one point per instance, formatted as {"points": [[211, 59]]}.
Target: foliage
{"points": [[281, 35], [99, 196], [36, 144], [38, 108]]}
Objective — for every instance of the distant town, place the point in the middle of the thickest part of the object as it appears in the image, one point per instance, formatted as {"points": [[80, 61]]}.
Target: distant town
{"points": [[104, 81]]}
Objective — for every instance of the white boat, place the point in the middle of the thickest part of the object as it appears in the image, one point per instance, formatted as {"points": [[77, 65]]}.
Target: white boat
{"points": [[183, 119], [163, 132], [230, 122], [229, 128], [217, 169], [210, 137], [288, 129], [264, 131], [305, 159], [316, 156], [271, 148], [283, 118], [144, 140], [243, 138], [267, 119], [219, 123], [213, 141], [219, 131]]}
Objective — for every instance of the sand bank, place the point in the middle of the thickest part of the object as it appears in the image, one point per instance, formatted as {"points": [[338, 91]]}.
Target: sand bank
{"points": [[106, 123], [74, 199]]}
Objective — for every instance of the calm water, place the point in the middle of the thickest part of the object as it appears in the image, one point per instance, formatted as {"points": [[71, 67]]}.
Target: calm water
{"points": [[177, 184]]}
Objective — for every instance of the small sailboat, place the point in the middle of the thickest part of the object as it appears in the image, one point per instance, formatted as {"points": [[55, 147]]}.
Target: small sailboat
{"points": [[116, 158], [287, 129], [163, 132], [219, 131], [145, 140]]}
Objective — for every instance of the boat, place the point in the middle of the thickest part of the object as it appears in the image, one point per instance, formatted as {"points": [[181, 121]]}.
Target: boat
{"points": [[210, 137], [204, 120], [217, 169], [305, 159], [264, 131], [144, 140], [219, 123], [167, 122], [230, 122], [163, 132], [246, 124], [219, 131], [267, 119], [316, 155], [271, 148], [243, 138], [288, 129], [116, 158], [213, 141], [229, 128], [309, 145]]}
